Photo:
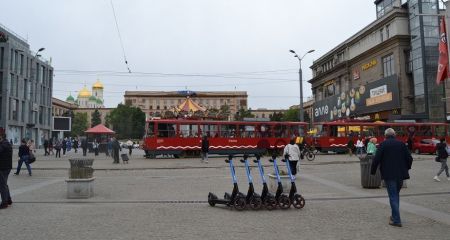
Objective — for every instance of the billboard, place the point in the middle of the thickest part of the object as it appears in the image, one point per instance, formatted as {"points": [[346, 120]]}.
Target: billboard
{"points": [[377, 96], [62, 124]]}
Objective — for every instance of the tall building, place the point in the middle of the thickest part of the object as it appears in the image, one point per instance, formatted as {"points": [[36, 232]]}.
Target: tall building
{"points": [[151, 102], [26, 82], [88, 99], [386, 71]]}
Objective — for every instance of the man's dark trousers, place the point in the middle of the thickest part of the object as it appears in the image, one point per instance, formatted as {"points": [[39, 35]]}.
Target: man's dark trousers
{"points": [[393, 188], [4, 189]]}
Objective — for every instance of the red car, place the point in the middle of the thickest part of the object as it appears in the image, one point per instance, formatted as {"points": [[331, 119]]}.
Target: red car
{"points": [[425, 146]]}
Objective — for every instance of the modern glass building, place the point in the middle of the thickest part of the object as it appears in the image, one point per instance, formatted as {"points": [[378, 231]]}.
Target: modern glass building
{"points": [[26, 82]]}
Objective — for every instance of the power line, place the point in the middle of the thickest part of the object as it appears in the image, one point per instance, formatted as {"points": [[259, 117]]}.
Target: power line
{"points": [[120, 37]]}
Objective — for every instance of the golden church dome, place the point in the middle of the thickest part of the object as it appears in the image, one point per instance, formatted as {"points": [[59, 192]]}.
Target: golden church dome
{"points": [[97, 85], [84, 93]]}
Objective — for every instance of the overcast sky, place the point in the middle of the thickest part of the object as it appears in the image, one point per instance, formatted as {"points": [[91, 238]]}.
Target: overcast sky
{"points": [[200, 45]]}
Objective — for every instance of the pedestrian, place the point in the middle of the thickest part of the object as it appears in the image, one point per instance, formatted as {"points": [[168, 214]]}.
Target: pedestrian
{"points": [[359, 147], [350, 146], [442, 155], [24, 156], [84, 145], [64, 145], [292, 153], [75, 145], [410, 143], [205, 149], [130, 146], [115, 148], [95, 147], [46, 147], [58, 147], [31, 146], [5, 168], [69, 144], [372, 147], [109, 148], [394, 160], [50, 147]]}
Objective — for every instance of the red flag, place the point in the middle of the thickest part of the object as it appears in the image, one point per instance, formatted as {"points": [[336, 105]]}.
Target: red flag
{"points": [[442, 73]]}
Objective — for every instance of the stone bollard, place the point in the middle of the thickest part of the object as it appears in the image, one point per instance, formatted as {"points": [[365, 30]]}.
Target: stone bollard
{"points": [[80, 183]]}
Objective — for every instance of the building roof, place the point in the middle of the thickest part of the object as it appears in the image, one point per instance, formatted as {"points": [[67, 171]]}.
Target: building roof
{"points": [[84, 93], [100, 129], [97, 85], [179, 94], [70, 98], [93, 98]]}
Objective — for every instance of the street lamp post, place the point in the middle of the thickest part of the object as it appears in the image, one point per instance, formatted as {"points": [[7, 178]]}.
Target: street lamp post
{"points": [[37, 53], [300, 76]]}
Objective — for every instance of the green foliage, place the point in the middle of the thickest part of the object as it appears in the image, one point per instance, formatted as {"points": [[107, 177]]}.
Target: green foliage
{"points": [[127, 121], [107, 121], [79, 124], [276, 117], [292, 115], [96, 118], [243, 113]]}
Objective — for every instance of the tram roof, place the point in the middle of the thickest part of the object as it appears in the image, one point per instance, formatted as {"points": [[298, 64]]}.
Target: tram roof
{"points": [[190, 121], [380, 123]]}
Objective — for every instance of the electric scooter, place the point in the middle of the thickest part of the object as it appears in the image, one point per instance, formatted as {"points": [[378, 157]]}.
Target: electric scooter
{"points": [[267, 198], [282, 199], [296, 199], [252, 199], [236, 198]]}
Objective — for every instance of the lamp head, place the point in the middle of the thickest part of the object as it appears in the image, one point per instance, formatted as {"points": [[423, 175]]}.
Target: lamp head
{"points": [[292, 51], [41, 49], [312, 50]]}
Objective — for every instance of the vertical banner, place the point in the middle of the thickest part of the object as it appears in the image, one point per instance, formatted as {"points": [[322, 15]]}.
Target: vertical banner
{"points": [[442, 73]]}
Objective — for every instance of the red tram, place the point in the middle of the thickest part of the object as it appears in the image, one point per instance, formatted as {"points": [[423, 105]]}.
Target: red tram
{"points": [[181, 137], [334, 136]]}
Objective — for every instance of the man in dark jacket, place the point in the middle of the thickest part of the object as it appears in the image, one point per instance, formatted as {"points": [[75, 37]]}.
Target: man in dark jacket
{"points": [[205, 149], [394, 160], [84, 145], [5, 169], [115, 149]]}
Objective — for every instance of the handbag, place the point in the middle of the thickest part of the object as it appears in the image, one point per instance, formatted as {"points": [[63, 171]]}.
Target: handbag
{"points": [[31, 158], [437, 159]]}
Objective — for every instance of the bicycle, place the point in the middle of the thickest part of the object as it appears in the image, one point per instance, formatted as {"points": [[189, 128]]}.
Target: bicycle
{"points": [[308, 153]]}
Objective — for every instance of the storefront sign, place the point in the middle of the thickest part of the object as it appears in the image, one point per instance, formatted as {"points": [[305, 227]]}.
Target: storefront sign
{"points": [[369, 65], [362, 100]]}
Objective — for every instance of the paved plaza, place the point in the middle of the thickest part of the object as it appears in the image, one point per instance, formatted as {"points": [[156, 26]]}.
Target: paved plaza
{"points": [[166, 198]]}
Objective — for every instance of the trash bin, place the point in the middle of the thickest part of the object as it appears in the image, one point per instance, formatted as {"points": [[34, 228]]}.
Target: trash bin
{"points": [[368, 180], [81, 168]]}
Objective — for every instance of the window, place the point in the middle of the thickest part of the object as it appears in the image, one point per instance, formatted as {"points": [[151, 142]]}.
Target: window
{"points": [[2, 53], [166, 130], [210, 130], [388, 65], [189, 131], [228, 131], [381, 35], [384, 7], [387, 30]]}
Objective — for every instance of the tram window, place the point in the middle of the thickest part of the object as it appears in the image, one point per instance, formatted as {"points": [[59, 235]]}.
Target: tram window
{"points": [[266, 130], [353, 131], [425, 131], [189, 130], [337, 131], [399, 131], [382, 129], [369, 131], [296, 130], [210, 130], [228, 131], [166, 130], [151, 130], [411, 131], [281, 131], [439, 131], [247, 131]]}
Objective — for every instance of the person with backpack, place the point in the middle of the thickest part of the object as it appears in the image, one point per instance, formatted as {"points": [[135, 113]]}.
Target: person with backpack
{"points": [[442, 156], [24, 156], [58, 147], [5, 168]]}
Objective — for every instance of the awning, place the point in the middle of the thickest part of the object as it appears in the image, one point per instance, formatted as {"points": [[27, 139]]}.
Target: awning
{"points": [[100, 129]]}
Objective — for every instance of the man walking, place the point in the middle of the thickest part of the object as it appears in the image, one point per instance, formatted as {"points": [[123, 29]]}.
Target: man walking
{"points": [[5, 169], [46, 152], [115, 150], [394, 160], [84, 145]]}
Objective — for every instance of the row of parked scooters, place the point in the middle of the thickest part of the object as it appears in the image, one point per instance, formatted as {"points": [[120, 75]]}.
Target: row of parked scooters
{"points": [[253, 200]]}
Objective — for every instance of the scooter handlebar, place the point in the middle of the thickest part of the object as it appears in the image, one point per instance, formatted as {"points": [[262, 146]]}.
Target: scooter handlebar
{"points": [[227, 160], [271, 160], [256, 160], [283, 160], [242, 160]]}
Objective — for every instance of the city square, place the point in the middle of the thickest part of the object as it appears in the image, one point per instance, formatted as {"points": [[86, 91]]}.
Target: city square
{"points": [[166, 198]]}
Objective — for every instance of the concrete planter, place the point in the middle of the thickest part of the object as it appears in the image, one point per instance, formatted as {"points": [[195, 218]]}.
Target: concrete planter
{"points": [[273, 183], [80, 188]]}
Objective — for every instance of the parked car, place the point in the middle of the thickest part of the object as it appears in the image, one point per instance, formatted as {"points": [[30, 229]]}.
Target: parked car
{"points": [[425, 146]]}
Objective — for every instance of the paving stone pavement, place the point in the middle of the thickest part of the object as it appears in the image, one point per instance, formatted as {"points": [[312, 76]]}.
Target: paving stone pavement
{"points": [[165, 198]]}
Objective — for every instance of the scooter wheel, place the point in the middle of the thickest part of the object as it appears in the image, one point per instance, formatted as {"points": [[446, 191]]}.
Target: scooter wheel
{"points": [[255, 202], [239, 203], [284, 202], [211, 199], [299, 201], [270, 203]]}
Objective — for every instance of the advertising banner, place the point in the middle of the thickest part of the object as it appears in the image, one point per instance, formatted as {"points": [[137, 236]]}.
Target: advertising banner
{"points": [[377, 96]]}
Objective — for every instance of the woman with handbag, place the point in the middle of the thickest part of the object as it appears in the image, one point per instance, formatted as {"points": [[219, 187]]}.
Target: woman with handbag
{"points": [[442, 155], [24, 156]]}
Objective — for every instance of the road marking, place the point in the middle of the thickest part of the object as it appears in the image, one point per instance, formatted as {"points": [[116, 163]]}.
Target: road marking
{"points": [[404, 206], [32, 187]]}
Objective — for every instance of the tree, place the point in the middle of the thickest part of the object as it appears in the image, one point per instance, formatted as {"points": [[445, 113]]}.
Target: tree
{"points": [[276, 117], [96, 118], [107, 121], [127, 121], [291, 115], [243, 113], [79, 124]]}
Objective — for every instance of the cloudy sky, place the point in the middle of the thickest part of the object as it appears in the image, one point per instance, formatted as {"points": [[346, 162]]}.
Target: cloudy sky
{"points": [[200, 45]]}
